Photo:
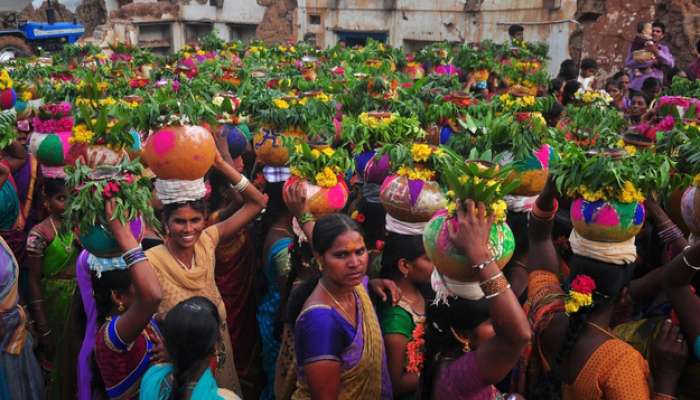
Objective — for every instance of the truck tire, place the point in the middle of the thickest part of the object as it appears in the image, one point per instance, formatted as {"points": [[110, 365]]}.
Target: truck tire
{"points": [[15, 44]]}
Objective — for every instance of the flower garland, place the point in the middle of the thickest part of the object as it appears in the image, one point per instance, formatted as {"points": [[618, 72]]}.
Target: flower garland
{"points": [[81, 134], [372, 121], [592, 97], [326, 178], [416, 174], [64, 124], [5, 80], [415, 350], [628, 194], [580, 294]]}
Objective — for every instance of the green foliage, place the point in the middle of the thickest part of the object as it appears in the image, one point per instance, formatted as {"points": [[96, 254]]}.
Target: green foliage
{"points": [[8, 127], [365, 133], [307, 161]]}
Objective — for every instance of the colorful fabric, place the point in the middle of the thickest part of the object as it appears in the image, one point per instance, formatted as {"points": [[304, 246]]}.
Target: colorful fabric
{"points": [[157, 385], [234, 275], [121, 364], [286, 367], [84, 368], [461, 379], [9, 205], [396, 320], [320, 333], [664, 58], [170, 191], [178, 284], [276, 266], [276, 174]]}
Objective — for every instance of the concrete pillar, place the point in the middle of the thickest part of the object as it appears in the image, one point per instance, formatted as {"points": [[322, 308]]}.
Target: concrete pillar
{"points": [[178, 35]]}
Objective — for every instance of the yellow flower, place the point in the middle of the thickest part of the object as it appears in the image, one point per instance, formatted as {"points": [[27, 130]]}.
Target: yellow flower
{"points": [[451, 194], [631, 150], [374, 122], [576, 300], [326, 178], [528, 100], [416, 174], [295, 171], [280, 103], [620, 143], [328, 151], [590, 196], [298, 148], [315, 153], [81, 134], [499, 209], [323, 97], [630, 194], [25, 95], [464, 179], [102, 86], [107, 101], [439, 153], [303, 101], [696, 180], [83, 101], [5, 80], [201, 52], [421, 152]]}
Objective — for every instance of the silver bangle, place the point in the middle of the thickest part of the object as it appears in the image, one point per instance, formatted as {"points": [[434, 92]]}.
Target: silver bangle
{"points": [[241, 185], [484, 264]]}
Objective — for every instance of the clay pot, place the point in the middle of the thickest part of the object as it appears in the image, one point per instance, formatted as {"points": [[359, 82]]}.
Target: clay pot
{"points": [[411, 200], [636, 140], [8, 98], [269, 148], [50, 148], [437, 135], [371, 168], [309, 74], [94, 155], [690, 209], [534, 171], [450, 260], [100, 242], [180, 152], [321, 201], [522, 91], [607, 221], [673, 209], [414, 71]]}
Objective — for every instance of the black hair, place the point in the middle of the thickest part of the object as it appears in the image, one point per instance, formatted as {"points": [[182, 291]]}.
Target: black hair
{"points": [[276, 207], [461, 315], [589, 63], [570, 90], [197, 205], [619, 74], [515, 29], [553, 114], [53, 186], [659, 24], [555, 85], [517, 221], [636, 93], [568, 70], [650, 83], [326, 231], [190, 332], [640, 26], [396, 247]]}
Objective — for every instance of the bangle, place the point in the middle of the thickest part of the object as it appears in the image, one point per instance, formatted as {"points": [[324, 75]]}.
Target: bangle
{"points": [[134, 257], [495, 285], [136, 261], [685, 260], [36, 302], [484, 264], [241, 185], [545, 215], [664, 396], [670, 234], [129, 252], [45, 334], [306, 217]]}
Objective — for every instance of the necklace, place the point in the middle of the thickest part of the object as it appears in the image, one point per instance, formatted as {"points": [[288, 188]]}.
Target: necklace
{"points": [[68, 247], [601, 329], [182, 264], [337, 303]]}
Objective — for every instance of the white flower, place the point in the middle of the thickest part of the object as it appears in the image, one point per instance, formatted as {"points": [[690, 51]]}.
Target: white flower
{"points": [[217, 101]]}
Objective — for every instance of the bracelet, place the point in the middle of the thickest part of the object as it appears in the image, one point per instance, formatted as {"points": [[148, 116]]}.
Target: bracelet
{"points": [[545, 215], [306, 217], [241, 185], [45, 334], [495, 285], [484, 264], [134, 257], [685, 260], [664, 396], [136, 261], [36, 301], [670, 234], [134, 250]]}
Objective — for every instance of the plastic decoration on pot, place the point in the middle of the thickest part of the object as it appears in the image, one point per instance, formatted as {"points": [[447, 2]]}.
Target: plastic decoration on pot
{"points": [[269, 148], [322, 201], [607, 221], [690, 209], [180, 152], [411, 200], [50, 148], [450, 259], [533, 172], [372, 168], [237, 142]]}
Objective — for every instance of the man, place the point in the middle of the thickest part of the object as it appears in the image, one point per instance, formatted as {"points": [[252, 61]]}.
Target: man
{"points": [[693, 70], [663, 60]]}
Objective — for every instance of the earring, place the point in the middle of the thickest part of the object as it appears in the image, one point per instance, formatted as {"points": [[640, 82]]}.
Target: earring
{"points": [[466, 347], [120, 307]]}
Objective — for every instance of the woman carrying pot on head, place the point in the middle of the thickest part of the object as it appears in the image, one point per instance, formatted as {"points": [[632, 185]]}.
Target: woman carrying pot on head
{"points": [[574, 354], [472, 341], [126, 295], [185, 263], [191, 331]]}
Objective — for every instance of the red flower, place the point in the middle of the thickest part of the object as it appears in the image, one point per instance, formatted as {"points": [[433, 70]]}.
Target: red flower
{"points": [[583, 284], [111, 189], [522, 116], [379, 245], [129, 178], [272, 83]]}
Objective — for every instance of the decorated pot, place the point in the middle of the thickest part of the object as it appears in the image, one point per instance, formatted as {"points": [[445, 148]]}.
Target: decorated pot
{"points": [[638, 141], [450, 260], [411, 200], [673, 209], [371, 168], [8, 98], [607, 221], [414, 70], [533, 171], [50, 148], [180, 152], [269, 148], [438, 135], [100, 242], [690, 209], [321, 201], [518, 90], [94, 155]]}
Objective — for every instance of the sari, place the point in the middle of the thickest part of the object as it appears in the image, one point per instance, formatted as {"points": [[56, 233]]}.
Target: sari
{"points": [[11, 223], [157, 384], [234, 274], [20, 374], [276, 265], [364, 374], [400, 319], [178, 284]]}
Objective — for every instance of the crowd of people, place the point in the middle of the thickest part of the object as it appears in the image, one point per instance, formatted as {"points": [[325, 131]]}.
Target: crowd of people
{"points": [[244, 293]]}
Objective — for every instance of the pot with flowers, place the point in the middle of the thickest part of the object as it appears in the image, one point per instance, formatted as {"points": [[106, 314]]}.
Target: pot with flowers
{"points": [[480, 179], [412, 193], [53, 128], [100, 137], [8, 96], [321, 171], [92, 188], [608, 187]]}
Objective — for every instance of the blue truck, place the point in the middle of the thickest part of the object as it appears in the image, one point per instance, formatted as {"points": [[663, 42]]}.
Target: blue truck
{"points": [[22, 38]]}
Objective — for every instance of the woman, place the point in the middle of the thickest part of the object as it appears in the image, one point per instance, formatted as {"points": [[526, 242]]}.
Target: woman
{"points": [[51, 284], [615, 91], [235, 270], [473, 344], [574, 354], [404, 261], [12, 158], [338, 343], [191, 331], [20, 374], [639, 105], [277, 226], [127, 294], [185, 262]]}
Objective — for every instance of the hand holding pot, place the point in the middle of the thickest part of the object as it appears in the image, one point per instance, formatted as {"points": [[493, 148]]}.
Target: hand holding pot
{"points": [[472, 235], [296, 201], [121, 231]]}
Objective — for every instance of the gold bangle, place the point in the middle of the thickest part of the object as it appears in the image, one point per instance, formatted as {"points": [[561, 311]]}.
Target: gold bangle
{"points": [[495, 285]]}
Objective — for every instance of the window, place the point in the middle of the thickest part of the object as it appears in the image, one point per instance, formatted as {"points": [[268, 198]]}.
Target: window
{"points": [[314, 19]]}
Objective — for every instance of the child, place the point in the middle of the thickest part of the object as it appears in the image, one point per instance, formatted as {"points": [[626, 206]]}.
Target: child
{"points": [[643, 38]]}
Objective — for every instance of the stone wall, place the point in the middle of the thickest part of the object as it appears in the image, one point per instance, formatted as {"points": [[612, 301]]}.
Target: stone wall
{"points": [[277, 25]]}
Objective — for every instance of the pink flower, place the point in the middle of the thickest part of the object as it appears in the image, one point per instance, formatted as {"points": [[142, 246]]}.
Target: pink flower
{"points": [[379, 245], [338, 70], [111, 189], [129, 178], [583, 284], [666, 124], [176, 86]]}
